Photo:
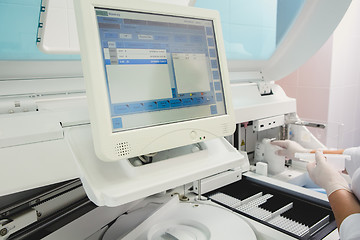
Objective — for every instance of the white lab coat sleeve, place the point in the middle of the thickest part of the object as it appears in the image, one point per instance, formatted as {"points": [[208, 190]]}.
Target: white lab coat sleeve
{"points": [[355, 183], [354, 163], [349, 228]]}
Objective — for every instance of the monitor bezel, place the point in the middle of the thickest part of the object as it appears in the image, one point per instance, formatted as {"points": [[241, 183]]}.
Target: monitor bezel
{"points": [[111, 146]]}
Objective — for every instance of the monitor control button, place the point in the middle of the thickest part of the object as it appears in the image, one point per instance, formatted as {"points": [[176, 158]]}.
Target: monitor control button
{"points": [[193, 135]]}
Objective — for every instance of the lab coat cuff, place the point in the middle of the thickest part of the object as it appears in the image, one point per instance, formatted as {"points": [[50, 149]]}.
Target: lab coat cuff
{"points": [[349, 228]]}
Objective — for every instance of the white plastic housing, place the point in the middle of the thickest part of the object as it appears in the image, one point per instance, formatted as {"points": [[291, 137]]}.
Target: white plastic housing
{"points": [[116, 183], [150, 139]]}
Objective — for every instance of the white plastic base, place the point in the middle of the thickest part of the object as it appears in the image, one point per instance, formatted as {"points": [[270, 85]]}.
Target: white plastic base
{"points": [[188, 221], [116, 183]]}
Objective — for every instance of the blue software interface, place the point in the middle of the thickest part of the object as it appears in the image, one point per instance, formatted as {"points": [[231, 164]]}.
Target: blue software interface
{"points": [[159, 69]]}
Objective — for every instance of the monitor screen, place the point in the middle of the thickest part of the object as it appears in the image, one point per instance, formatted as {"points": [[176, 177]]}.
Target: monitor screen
{"points": [[159, 69], [155, 75]]}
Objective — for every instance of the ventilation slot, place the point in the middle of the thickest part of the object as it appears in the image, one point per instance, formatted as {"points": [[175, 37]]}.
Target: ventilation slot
{"points": [[225, 128], [122, 149]]}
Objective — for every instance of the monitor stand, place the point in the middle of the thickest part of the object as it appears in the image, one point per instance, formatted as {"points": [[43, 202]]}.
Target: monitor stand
{"points": [[116, 183], [167, 154]]}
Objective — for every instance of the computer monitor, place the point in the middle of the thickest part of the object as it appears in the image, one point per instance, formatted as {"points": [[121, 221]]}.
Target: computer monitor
{"points": [[155, 74]]}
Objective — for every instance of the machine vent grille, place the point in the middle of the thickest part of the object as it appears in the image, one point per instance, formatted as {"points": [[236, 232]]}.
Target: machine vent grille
{"points": [[225, 128], [122, 149]]}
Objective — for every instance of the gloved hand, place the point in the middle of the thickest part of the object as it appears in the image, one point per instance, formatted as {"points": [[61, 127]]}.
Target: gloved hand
{"points": [[289, 148], [326, 176], [351, 165]]}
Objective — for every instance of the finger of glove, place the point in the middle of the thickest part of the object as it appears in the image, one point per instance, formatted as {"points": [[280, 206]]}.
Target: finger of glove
{"points": [[282, 144], [296, 147], [320, 158], [310, 168], [282, 152]]}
